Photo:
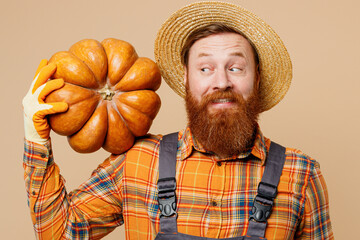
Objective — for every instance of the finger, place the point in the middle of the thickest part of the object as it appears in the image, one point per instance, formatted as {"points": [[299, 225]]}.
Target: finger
{"points": [[43, 75], [42, 64], [49, 87], [56, 107], [41, 126], [50, 108]]}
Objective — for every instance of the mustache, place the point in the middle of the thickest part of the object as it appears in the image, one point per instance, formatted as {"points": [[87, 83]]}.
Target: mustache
{"points": [[229, 95]]}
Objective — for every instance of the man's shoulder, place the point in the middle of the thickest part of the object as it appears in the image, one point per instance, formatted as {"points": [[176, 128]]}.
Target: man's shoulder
{"points": [[298, 155], [298, 161], [148, 141], [294, 156], [145, 145]]}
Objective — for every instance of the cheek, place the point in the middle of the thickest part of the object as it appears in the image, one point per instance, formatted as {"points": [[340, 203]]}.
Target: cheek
{"points": [[197, 90], [245, 88], [197, 86]]}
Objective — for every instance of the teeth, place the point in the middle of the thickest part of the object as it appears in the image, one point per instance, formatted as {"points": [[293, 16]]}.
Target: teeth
{"points": [[222, 100]]}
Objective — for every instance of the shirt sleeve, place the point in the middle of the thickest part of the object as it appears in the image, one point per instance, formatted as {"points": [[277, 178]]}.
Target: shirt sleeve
{"points": [[90, 212], [316, 222]]}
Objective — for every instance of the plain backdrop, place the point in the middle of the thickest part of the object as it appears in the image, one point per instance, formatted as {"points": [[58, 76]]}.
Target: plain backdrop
{"points": [[319, 115]]}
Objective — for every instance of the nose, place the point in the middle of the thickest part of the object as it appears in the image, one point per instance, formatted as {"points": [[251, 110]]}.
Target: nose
{"points": [[221, 81]]}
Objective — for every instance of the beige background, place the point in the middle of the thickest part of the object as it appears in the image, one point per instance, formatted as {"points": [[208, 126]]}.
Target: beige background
{"points": [[320, 114]]}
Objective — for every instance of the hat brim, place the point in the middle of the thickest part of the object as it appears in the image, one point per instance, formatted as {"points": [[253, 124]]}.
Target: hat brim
{"points": [[275, 63]]}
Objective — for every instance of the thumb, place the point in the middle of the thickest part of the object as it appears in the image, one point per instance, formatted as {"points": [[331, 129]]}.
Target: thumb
{"points": [[42, 64], [43, 75]]}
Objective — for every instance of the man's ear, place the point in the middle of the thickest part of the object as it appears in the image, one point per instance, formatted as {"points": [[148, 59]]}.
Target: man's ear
{"points": [[185, 75], [257, 78]]}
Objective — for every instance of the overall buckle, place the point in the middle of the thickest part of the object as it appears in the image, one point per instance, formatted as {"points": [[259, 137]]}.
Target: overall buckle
{"points": [[260, 212], [167, 197], [263, 202]]}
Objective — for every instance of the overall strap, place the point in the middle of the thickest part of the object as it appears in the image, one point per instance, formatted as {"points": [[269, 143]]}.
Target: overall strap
{"points": [[267, 191], [167, 183]]}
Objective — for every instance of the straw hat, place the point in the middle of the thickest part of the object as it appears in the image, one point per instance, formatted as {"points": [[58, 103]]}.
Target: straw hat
{"points": [[275, 63]]}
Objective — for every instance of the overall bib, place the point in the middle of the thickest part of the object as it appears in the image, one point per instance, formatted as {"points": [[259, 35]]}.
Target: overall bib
{"points": [[262, 205]]}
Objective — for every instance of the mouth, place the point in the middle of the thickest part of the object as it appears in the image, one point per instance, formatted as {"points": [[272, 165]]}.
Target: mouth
{"points": [[223, 100], [221, 104]]}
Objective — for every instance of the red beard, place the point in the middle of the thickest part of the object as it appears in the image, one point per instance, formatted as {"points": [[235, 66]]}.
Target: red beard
{"points": [[225, 132]]}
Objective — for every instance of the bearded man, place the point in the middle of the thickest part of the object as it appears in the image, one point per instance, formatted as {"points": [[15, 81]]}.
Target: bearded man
{"points": [[222, 69], [219, 178]]}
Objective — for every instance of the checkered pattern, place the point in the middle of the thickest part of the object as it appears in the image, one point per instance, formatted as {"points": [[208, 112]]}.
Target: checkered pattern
{"points": [[214, 195]]}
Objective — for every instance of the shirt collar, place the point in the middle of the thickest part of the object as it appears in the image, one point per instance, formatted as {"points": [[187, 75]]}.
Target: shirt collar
{"points": [[188, 144]]}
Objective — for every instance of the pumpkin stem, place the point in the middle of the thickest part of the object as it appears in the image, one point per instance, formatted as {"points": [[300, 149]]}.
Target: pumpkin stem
{"points": [[106, 93]]}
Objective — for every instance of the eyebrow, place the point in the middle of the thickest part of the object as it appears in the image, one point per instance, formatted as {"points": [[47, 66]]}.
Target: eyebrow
{"points": [[204, 54], [237, 54]]}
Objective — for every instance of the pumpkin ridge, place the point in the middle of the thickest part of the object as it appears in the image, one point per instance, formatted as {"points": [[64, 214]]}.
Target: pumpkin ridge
{"points": [[109, 140], [116, 50], [94, 96], [70, 138], [125, 101], [97, 80], [136, 79], [72, 120], [129, 121], [98, 50], [90, 90], [61, 59], [121, 116], [100, 85], [74, 104], [115, 107], [89, 70]]}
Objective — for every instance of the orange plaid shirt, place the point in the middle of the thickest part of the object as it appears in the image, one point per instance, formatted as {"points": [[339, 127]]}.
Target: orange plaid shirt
{"points": [[214, 196]]}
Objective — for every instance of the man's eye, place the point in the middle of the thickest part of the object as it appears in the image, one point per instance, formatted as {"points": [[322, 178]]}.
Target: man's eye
{"points": [[234, 69], [205, 69]]}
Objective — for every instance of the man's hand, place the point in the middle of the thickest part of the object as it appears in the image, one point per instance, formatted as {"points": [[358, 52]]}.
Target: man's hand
{"points": [[36, 125]]}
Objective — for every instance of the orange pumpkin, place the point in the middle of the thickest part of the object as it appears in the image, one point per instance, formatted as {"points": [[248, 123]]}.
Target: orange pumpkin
{"points": [[110, 92]]}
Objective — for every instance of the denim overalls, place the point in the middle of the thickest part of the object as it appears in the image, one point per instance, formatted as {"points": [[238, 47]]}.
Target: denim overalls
{"points": [[261, 209]]}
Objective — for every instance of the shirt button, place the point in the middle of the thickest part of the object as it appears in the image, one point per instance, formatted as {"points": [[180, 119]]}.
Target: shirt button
{"points": [[218, 163], [43, 155], [214, 203], [34, 193]]}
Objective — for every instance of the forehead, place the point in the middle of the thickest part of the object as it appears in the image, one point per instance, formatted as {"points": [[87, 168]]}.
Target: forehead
{"points": [[222, 43]]}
